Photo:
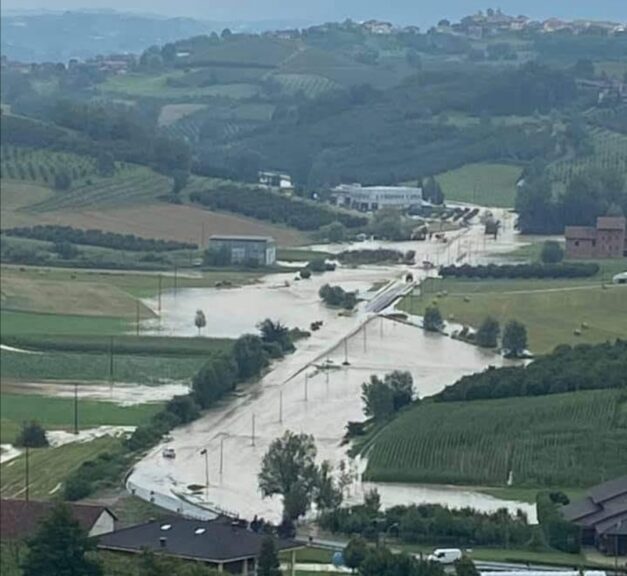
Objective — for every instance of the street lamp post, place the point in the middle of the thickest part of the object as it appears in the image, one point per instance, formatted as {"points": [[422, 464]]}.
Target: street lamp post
{"points": [[205, 453]]}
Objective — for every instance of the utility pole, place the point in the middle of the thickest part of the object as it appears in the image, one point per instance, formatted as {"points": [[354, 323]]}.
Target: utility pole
{"points": [[346, 362], [76, 408], [221, 455], [306, 387], [281, 406], [327, 376], [111, 361], [27, 477], [366, 336], [175, 279], [159, 304], [253, 431]]}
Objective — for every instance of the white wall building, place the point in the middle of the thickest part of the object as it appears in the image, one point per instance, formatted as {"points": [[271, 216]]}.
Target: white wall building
{"points": [[367, 198]]}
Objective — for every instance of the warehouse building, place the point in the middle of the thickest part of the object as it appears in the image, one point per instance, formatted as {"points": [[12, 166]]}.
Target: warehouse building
{"points": [[246, 250], [371, 198]]}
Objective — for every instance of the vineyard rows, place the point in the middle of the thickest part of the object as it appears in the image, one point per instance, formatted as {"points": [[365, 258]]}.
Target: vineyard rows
{"points": [[132, 185], [610, 152], [309, 84], [38, 165], [569, 439]]}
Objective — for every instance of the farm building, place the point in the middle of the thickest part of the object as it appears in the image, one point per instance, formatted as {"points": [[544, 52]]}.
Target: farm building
{"points": [[230, 546], [367, 198], [20, 519], [278, 180], [255, 250], [606, 240], [602, 516]]}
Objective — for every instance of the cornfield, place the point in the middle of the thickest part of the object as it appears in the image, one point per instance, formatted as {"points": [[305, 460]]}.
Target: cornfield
{"points": [[575, 439]]}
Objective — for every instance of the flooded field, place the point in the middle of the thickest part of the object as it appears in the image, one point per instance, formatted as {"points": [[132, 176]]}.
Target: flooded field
{"points": [[297, 394], [122, 394]]}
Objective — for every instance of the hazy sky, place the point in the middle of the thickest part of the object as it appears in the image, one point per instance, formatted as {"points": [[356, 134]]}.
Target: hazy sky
{"points": [[422, 12]]}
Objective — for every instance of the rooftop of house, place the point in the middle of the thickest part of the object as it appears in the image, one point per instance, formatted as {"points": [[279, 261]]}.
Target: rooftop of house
{"points": [[214, 541], [611, 223], [20, 519], [608, 490], [580, 233], [602, 507]]}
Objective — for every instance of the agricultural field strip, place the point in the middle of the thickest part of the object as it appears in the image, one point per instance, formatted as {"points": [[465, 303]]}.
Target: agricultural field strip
{"points": [[541, 439], [594, 286]]}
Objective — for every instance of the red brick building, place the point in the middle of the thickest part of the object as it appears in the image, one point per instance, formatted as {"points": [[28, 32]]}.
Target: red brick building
{"points": [[607, 240]]}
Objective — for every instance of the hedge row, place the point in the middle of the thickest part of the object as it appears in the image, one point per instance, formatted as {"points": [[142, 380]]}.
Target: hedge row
{"points": [[129, 242], [575, 270]]}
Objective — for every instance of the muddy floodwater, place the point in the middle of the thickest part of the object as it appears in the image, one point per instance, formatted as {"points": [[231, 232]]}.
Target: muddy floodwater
{"points": [[298, 393]]}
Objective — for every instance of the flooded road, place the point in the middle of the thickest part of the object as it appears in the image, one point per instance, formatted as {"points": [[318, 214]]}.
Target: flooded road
{"points": [[296, 394]]}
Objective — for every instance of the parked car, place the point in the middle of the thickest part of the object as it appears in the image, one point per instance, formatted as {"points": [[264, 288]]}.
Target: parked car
{"points": [[168, 453], [445, 555]]}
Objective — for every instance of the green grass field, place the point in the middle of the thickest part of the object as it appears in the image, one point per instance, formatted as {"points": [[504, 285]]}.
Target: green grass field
{"points": [[70, 301], [142, 85], [134, 368], [550, 309], [49, 467], [58, 413], [484, 184], [571, 439], [16, 323]]}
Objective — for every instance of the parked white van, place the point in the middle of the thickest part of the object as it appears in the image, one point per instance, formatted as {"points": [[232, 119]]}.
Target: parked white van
{"points": [[445, 555]]}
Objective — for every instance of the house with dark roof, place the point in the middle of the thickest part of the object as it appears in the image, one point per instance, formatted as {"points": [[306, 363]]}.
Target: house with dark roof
{"points": [[602, 516], [20, 519], [230, 546]]}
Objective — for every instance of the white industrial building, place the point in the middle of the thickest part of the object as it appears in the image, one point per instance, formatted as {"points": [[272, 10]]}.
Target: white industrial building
{"points": [[370, 198]]}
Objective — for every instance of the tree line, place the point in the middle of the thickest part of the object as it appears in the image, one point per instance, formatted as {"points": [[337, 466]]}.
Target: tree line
{"points": [[93, 237], [337, 297], [428, 523], [588, 195], [267, 205], [533, 270], [566, 369]]}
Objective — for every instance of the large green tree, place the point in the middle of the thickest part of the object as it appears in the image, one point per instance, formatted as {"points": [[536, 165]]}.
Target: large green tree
{"points": [[552, 252], [59, 548], [378, 398], [250, 355], [433, 321], [289, 469], [355, 552], [515, 338], [488, 333], [268, 559]]}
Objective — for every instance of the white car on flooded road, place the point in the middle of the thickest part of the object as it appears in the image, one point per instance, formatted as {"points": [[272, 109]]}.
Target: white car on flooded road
{"points": [[168, 453]]}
